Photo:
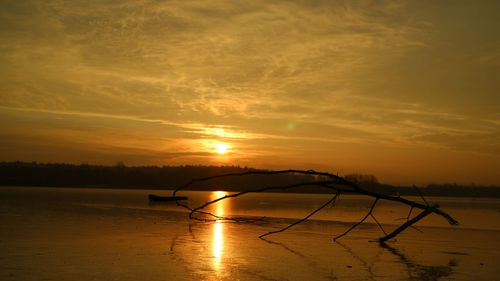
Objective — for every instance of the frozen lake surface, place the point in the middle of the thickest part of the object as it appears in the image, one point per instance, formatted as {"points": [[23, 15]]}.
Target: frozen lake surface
{"points": [[113, 234]]}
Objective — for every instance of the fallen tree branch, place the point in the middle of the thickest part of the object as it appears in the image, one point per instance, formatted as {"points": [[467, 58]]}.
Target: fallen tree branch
{"points": [[331, 182]]}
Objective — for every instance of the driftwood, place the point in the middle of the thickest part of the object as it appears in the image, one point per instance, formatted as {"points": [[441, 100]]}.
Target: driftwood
{"points": [[331, 182]]}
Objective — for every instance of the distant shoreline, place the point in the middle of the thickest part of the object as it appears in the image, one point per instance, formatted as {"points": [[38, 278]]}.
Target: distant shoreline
{"points": [[215, 189], [64, 175]]}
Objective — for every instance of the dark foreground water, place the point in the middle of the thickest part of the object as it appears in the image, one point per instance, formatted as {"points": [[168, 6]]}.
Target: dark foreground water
{"points": [[110, 234]]}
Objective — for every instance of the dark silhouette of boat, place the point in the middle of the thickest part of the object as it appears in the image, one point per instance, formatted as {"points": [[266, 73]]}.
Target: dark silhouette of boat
{"points": [[155, 198]]}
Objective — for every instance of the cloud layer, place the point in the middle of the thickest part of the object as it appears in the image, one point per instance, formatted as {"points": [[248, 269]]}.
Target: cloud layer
{"points": [[399, 89]]}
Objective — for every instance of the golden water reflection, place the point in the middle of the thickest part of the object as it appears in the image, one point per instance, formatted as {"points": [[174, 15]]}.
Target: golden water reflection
{"points": [[218, 236]]}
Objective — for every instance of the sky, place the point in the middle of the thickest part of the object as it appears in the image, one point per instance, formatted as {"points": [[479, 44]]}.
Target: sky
{"points": [[405, 90]]}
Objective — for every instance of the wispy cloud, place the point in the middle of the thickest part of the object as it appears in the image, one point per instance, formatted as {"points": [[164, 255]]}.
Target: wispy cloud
{"points": [[286, 75]]}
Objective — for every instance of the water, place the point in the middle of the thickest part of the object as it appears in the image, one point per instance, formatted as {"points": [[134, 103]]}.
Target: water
{"points": [[472, 213], [113, 234]]}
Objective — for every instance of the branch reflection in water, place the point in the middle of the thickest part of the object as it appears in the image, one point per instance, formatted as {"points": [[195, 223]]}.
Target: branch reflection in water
{"points": [[415, 270]]}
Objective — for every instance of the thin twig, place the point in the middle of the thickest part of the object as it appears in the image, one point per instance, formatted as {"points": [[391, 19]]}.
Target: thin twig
{"points": [[332, 201], [379, 225], [421, 196], [417, 229], [359, 222], [409, 213]]}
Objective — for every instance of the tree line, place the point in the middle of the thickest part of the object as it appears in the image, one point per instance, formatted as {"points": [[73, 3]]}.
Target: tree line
{"points": [[170, 177]]}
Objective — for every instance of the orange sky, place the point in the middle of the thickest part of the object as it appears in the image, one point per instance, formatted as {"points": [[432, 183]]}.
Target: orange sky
{"points": [[405, 90]]}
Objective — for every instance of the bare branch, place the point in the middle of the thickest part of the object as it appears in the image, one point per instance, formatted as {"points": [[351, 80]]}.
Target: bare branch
{"points": [[409, 213], [198, 209], [359, 222], [331, 201], [331, 182], [417, 229], [421, 196], [379, 225], [408, 223]]}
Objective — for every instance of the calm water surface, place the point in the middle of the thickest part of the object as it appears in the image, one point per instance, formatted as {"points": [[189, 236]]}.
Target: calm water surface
{"points": [[111, 234]]}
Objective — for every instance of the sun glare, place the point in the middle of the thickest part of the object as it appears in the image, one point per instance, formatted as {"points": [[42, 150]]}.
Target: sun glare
{"points": [[221, 148], [218, 235]]}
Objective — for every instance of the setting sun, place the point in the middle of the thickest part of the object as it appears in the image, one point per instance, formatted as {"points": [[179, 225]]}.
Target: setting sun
{"points": [[221, 148]]}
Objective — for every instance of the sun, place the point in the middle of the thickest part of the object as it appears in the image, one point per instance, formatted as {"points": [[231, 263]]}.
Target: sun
{"points": [[221, 148]]}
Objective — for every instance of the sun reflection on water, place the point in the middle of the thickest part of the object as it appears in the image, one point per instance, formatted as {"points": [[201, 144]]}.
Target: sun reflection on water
{"points": [[218, 236]]}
